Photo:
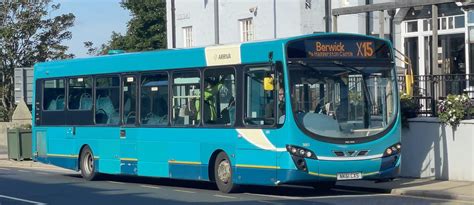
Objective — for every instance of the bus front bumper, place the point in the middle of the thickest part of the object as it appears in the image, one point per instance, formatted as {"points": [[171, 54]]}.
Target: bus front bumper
{"points": [[324, 171]]}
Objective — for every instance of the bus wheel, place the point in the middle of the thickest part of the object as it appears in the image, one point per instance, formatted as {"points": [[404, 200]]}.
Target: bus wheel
{"points": [[223, 174], [88, 168], [324, 185]]}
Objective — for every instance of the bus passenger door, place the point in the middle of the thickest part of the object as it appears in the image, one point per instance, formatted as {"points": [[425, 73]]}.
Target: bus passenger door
{"points": [[256, 153], [128, 130]]}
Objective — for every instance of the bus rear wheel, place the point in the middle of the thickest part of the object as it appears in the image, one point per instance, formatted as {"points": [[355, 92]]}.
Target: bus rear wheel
{"points": [[87, 165], [223, 174]]}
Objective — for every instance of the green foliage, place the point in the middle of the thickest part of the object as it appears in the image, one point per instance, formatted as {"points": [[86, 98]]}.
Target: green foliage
{"points": [[29, 34], [409, 107], [453, 109], [146, 30], [355, 97]]}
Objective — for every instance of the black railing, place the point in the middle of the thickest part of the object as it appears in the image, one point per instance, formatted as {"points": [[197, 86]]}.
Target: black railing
{"points": [[429, 89]]}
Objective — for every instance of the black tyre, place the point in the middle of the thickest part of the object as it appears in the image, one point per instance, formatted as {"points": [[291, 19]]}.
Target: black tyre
{"points": [[324, 185], [87, 165], [223, 174]]}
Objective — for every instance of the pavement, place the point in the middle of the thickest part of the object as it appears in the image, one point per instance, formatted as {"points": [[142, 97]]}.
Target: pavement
{"points": [[428, 187], [431, 188]]}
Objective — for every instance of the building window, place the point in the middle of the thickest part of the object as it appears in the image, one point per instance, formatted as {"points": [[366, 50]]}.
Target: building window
{"points": [[188, 36], [246, 30], [459, 22], [412, 26]]}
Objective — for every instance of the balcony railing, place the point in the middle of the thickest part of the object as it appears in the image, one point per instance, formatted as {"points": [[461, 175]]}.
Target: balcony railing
{"points": [[429, 89]]}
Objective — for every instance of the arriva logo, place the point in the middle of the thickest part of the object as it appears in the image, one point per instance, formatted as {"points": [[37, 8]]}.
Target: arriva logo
{"points": [[335, 47], [224, 56]]}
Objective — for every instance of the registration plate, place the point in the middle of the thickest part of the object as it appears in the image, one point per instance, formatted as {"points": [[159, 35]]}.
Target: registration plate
{"points": [[349, 176]]}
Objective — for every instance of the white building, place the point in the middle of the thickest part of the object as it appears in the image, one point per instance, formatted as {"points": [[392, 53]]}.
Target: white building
{"points": [[209, 22], [196, 22]]}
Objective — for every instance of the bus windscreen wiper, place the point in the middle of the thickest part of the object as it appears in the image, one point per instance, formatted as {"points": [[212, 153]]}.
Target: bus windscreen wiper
{"points": [[349, 68]]}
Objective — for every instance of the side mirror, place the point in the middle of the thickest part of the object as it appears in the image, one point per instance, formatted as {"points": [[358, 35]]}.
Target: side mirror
{"points": [[268, 84]]}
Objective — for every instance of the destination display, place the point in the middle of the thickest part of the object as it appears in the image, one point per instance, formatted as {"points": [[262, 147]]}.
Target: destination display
{"points": [[338, 49]]}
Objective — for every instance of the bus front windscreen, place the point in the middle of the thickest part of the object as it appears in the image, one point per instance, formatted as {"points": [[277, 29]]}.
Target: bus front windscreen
{"points": [[334, 99]]}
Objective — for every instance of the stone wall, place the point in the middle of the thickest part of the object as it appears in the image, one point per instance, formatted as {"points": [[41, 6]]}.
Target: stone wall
{"points": [[431, 149]]}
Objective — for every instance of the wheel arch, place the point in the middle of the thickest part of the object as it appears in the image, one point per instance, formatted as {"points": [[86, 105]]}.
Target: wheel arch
{"points": [[79, 155], [211, 164]]}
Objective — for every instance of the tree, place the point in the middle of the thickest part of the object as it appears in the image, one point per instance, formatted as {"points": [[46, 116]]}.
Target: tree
{"points": [[145, 31], [29, 35]]}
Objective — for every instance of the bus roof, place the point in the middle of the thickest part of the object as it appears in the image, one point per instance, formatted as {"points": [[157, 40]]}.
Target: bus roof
{"points": [[248, 52]]}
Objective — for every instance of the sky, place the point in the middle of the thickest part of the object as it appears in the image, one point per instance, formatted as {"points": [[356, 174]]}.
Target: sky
{"points": [[95, 21]]}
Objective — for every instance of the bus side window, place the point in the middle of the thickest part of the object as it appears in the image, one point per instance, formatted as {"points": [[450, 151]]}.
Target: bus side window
{"points": [[154, 99], [107, 100], [219, 96], [259, 103], [80, 94], [53, 93], [280, 87], [129, 100], [186, 98]]}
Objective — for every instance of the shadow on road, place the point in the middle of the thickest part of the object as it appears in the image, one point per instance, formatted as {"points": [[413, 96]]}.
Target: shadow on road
{"points": [[283, 190]]}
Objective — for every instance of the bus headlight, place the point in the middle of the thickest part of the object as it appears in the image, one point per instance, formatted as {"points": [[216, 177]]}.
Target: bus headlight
{"points": [[300, 152], [392, 150]]}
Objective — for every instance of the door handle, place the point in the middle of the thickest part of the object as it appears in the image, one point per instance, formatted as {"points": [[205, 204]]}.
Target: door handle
{"points": [[123, 134], [73, 131]]}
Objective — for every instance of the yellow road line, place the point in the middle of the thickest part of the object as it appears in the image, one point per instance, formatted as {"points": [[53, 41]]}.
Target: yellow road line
{"points": [[184, 191], [151, 187]]}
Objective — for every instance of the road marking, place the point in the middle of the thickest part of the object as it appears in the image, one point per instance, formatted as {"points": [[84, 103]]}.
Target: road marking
{"points": [[24, 171], [269, 202], [4, 169], [275, 196], [114, 182], [151, 187], [317, 197], [437, 199], [184, 191], [23, 200], [223, 196]]}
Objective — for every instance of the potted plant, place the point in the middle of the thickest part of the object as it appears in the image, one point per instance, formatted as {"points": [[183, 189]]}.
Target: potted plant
{"points": [[453, 109]]}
